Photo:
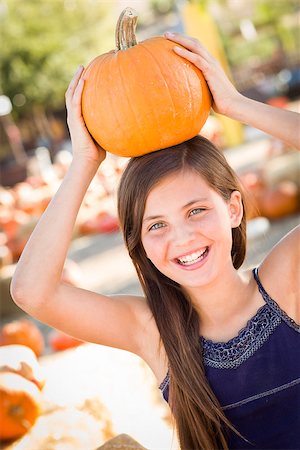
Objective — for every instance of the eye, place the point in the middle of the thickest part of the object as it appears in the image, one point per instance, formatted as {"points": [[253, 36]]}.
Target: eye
{"points": [[156, 226], [195, 211]]}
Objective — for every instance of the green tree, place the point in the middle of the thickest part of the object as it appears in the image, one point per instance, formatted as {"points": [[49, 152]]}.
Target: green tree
{"points": [[43, 42]]}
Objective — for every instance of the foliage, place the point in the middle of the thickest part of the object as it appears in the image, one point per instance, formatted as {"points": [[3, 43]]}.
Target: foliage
{"points": [[162, 6], [44, 42], [272, 22]]}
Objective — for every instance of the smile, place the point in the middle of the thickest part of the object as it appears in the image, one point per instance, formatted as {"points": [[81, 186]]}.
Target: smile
{"points": [[192, 258]]}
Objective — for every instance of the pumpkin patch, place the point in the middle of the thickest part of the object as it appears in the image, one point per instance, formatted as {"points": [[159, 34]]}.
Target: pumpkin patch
{"points": [[23, 332], [143, 97], [19, 405]]}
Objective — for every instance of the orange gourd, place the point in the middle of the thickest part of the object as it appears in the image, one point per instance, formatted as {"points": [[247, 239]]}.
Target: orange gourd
{"points": [[59, 341], [19, 405], [23, 332], [143, 97], [280, 200], [103, 222]]}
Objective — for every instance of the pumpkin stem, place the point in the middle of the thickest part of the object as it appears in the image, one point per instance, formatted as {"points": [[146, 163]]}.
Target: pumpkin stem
{"points": [[125, 29]]}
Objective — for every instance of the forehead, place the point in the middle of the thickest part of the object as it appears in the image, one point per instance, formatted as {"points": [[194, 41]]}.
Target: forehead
{"points": [[179, 187]]}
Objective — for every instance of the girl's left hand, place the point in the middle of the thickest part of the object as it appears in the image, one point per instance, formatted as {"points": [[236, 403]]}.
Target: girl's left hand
{"points": [[224, 93], [83, 145]]}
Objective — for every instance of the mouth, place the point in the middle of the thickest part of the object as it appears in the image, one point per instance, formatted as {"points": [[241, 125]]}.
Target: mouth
{"points": [[193, 258]]}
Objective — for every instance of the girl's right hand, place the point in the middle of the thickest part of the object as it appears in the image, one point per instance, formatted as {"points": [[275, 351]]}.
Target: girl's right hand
{"points": [[83, 145]]}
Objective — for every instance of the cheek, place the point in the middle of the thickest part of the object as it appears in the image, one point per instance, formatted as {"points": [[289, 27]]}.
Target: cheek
{"points": [[154, 247], [217, 227], [216, 223]]}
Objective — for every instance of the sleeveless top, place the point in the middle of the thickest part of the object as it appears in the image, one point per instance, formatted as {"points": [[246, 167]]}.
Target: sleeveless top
{"points": [[256, 378]]}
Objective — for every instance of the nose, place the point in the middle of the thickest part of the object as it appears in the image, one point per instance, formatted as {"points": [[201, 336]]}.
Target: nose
{"points": [[182, 235]]}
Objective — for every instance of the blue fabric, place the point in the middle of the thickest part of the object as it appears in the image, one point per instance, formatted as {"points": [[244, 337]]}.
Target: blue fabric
{"points": [[256, 378]]}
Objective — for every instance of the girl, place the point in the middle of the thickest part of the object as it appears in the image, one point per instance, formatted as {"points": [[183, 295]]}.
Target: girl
{"points": [[223, 345]]}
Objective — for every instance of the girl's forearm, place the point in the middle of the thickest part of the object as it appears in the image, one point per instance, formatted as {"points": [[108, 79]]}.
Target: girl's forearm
{"points": [[39, 269], [279, 123]]}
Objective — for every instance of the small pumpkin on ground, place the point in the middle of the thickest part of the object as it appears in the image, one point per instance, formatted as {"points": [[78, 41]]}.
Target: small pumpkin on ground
{"points": [[103, 222], [21, 360], [143, 97], [23, 332], [280, 200], [59, 341], [19, 405]]}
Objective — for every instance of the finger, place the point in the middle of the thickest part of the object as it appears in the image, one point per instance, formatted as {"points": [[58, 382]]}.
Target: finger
{"points": [[74, 104], [191, 44], [76, 100], [74, 82], [194, 58]]}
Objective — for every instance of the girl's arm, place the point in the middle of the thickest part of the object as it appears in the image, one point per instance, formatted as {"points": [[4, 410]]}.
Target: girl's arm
{"points": [[280, 123], [36, 285], [279, 273], [40, 267]]}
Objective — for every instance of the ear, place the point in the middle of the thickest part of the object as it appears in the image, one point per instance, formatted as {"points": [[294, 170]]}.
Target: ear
{"points": [[236, 210]]}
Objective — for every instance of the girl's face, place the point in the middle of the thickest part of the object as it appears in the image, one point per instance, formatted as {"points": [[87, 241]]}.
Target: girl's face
{"points": [[186, 230]]}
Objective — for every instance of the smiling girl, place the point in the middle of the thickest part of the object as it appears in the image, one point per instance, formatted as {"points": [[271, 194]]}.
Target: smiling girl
{"points": [[222, 343]]}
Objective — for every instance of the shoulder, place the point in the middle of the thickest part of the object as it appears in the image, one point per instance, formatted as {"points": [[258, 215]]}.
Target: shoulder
{"points": [[279, 273], [149, 344], [139, 309]]}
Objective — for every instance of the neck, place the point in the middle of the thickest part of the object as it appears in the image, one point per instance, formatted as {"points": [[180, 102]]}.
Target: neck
{"points": [[222, 299]]}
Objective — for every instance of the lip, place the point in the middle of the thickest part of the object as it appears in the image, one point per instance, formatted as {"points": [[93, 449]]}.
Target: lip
{"points": [[197, 264]]}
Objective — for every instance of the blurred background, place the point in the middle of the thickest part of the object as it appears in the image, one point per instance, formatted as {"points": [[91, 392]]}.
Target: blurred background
{"points": [[43, 42]]}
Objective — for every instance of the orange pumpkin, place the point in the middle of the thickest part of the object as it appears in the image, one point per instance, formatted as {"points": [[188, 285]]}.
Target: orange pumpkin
{"points": [[19, 405], [23, 332], [143, 97], [103, 222], [59, 341], [22, 360], [280, 200]]}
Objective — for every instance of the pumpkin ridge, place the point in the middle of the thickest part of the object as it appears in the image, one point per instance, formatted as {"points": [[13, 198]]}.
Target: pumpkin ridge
{"points": [[166, 84], [113, 108], [142, 138], [86, 105], [190, 93], [187, 84]]}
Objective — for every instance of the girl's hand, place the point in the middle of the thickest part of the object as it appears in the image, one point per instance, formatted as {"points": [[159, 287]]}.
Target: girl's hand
{"points": [[224, 93], [83, 145]]}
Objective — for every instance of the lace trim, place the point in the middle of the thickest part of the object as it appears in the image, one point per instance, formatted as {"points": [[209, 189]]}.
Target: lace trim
{"points": [[273, 305], [231, 354]]}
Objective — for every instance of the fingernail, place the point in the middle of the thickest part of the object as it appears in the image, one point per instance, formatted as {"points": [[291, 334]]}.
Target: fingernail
{"points": [[178, 48], [169, 34]]}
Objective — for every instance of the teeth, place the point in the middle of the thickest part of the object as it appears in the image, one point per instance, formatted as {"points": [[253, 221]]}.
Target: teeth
{"points": [[192, 258]]}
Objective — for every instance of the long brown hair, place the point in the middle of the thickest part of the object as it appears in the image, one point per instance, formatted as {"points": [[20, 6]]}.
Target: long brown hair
{"points": [[200, 421]]}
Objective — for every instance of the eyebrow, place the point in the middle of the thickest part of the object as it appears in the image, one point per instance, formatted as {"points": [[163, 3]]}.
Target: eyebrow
{"points": [[192, 202]]}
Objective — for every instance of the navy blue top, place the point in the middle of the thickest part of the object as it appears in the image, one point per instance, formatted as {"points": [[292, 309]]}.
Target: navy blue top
{"points": [[256, 378]]}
